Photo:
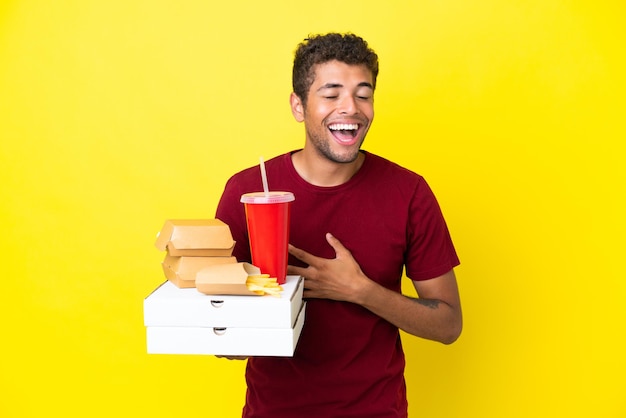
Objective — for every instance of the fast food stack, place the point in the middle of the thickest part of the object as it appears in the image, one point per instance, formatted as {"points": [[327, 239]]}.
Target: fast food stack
{"points": [[199, 255], [191, 246], [231, 311]]}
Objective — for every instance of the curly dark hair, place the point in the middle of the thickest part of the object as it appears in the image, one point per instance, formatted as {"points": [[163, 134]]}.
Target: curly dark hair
{"points": [[318, 49]]}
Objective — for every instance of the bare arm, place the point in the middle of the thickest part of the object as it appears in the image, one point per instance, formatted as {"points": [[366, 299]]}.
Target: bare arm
{"points": [[435, 315]]}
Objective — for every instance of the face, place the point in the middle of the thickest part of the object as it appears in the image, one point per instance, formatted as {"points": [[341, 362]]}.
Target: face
{"points": [[339, 110]]}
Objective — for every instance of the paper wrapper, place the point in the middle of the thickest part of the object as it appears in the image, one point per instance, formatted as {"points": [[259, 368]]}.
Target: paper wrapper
{"points": [[233, 279]]}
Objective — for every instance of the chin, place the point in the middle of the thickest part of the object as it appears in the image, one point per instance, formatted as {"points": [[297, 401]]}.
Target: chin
{"points": [[335, 152], [344, 158]]}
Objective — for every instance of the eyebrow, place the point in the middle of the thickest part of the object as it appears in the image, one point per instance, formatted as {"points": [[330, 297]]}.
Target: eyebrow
{"points": [[337, 85]]}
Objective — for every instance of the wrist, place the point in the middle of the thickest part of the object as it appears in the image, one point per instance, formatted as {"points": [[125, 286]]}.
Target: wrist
{"points": [[365, 292]]}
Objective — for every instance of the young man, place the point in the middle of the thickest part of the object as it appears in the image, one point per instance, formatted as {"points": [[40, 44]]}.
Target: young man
{"points": [[357, 222]]}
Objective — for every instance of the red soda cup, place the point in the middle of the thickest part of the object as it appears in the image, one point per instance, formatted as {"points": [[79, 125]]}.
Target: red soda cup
{"points": [[268, 220]]}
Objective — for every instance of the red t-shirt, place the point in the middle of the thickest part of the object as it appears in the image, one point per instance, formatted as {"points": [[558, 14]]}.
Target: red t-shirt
{"points": [[348, 362]]}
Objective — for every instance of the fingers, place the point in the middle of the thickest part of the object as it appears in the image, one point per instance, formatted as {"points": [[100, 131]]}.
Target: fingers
{"points": [[310, 258], [296, 271], [300, 254], [336, 244], [233, 357]]}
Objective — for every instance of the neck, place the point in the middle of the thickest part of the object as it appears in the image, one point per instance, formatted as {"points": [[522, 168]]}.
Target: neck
{"points": [[319, 171]]}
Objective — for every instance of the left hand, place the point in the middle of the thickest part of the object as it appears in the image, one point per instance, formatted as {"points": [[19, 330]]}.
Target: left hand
{"points": [[339, 278]]}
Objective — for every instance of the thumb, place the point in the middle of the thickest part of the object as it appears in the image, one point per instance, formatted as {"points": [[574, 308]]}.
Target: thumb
{"points": [[336, 244]]}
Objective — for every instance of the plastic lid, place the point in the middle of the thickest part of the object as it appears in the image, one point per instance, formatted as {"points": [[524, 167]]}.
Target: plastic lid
{"points": [[271, 197]]}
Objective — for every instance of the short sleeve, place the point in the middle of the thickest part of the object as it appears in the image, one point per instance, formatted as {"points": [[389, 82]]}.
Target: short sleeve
{"points": [[430, 251]]}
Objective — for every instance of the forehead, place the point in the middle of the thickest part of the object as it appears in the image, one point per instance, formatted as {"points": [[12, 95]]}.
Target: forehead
{"points": [[337, 72]]}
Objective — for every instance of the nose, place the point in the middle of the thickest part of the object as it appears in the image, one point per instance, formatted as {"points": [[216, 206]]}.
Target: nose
{"points": [[348, 106]]}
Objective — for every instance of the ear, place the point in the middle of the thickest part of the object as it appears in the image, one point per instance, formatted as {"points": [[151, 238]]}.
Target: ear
{"points": [[297, 109]]}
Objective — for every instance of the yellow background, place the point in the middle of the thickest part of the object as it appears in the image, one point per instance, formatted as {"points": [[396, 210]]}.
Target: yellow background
{"points": [[116, 115]]}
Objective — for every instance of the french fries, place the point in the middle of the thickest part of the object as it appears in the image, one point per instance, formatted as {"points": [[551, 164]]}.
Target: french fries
{"points": [[263, 284]]}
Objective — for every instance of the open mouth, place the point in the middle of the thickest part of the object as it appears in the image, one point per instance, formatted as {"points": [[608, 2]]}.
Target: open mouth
{"points": [[344, 132]]}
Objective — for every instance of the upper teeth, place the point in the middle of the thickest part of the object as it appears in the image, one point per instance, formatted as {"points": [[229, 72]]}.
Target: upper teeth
{"points": [[344, 126]]}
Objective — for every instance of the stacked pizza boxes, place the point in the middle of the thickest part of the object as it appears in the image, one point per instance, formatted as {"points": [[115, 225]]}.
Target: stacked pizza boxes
{"points": [[206, 306]]}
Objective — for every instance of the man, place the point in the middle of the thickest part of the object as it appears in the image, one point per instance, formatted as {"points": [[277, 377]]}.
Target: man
{"points": [[357, 222]]}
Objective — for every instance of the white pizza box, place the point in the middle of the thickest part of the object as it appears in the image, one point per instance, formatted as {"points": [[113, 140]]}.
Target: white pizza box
{"points": [[226, 341], [170, 306]]}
